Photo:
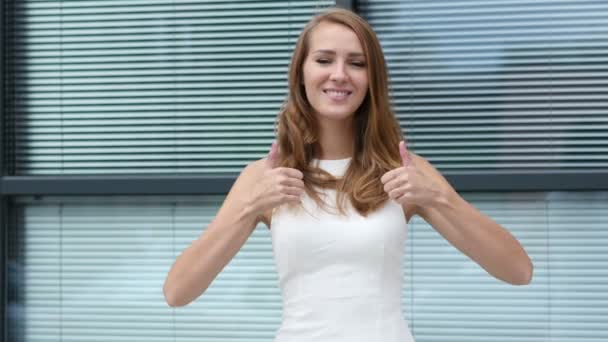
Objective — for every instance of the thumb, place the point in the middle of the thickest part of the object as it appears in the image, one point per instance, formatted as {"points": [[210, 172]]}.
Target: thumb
{"points": [[405, 158], [272, 158]]}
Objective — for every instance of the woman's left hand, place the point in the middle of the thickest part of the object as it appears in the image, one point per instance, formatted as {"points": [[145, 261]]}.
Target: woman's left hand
{"points": [[410, 185]]}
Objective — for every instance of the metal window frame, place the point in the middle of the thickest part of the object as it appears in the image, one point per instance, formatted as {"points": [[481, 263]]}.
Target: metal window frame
{"points": [[588, 180]]}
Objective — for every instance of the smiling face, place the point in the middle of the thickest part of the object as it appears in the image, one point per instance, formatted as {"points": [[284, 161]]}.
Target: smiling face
{"points": [[335, 72]]}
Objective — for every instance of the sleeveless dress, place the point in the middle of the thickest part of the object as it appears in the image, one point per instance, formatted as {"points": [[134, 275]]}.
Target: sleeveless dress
{"points": [[340, 276]]}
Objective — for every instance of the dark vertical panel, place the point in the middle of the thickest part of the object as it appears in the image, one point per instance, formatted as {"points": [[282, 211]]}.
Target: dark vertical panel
{"points": [[348, 4], [3, 277], [3, 212], [2, 88], [9, 272], [12, 273], [7, 131]]}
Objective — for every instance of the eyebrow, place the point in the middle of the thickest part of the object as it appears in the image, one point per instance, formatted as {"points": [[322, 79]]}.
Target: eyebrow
{"points": [[332, 52]]}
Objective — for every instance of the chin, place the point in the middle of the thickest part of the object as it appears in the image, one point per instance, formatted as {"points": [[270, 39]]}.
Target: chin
{"points": [[337, 114], [333, 116]]}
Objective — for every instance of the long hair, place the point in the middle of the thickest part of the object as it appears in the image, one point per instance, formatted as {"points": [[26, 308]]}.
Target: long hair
{"points": [[376, 130]]}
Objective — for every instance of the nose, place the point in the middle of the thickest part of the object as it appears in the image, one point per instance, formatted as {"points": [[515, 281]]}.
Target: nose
{"points": [[339, 73]]}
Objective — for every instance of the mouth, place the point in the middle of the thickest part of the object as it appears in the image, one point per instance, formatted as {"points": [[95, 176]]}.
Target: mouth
{"points": [[337, 94]]}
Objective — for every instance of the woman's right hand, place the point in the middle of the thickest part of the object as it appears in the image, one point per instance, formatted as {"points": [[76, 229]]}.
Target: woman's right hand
{"points": [[278, 185]]}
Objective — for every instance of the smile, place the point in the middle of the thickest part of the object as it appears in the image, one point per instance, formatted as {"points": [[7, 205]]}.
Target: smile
{"points": [[337, 94]]}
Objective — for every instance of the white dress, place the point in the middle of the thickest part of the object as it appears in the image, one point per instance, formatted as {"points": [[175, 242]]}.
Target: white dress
{"points": [[340, 276]]}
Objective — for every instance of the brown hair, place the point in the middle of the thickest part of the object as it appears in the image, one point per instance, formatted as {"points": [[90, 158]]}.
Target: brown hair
{"points": [[377, 132]]}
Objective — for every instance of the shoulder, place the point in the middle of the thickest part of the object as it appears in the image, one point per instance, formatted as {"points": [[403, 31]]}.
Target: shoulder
{"points": [[244, 183], [252, 171], [247, 178], [251, 175], [254, 168]]}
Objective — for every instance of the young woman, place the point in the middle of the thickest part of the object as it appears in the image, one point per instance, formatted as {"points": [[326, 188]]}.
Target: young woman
{"points": [[337, 191]]}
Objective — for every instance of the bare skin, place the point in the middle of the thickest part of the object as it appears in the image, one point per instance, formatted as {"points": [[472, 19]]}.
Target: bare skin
{"points": [[417, 183], [336, 82], [260, 187]]}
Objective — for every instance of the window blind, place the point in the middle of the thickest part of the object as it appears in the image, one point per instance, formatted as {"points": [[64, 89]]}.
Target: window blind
{"points": [[452, 299], [500, 85], [136, 86], [92, 269]]}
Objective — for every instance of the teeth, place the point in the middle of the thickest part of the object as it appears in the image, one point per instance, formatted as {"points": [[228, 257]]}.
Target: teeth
{"points": [[337, 93]]}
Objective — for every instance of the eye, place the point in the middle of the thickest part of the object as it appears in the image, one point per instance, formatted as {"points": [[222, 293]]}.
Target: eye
{"points": [[358, 64], [323, 61]]}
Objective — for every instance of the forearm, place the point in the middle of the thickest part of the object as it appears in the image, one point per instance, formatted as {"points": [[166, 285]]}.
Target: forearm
{"points": [[199, 264], [481, 238]]}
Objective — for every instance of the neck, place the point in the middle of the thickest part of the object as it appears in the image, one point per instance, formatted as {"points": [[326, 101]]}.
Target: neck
{"points": [[336, 139]]}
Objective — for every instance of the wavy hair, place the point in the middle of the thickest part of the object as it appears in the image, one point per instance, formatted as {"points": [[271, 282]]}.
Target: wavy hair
{"points": [[376, 130]]}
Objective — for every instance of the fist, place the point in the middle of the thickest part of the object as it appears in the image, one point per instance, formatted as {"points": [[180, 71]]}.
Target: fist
{"points": [[408, 184], [278, 185]]}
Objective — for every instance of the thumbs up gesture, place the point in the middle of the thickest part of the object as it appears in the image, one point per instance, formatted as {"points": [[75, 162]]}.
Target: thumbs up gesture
{"points": [[408, 184], [278, 185]]}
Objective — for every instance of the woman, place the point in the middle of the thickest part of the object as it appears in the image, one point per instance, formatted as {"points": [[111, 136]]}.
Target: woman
{"points": [[337, 191]]}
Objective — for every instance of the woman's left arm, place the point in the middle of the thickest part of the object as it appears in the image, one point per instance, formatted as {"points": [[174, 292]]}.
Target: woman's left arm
{"points": [[466, 228]]}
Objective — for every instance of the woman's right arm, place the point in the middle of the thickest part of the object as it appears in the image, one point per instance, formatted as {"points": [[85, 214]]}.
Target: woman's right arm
{"points": [[197, 266], [259, 188]]}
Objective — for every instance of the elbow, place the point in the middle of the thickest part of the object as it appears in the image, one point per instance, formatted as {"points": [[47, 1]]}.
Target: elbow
{"points": [[524, 273], [171, 296], [178, 294]]}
